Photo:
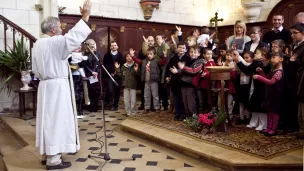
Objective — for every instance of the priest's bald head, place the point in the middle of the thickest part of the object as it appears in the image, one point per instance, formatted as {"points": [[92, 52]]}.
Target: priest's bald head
{"points": [[151, 41], [51, 26]]}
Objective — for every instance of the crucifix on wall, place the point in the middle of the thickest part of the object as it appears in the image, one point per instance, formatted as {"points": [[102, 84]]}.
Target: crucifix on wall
{"points": [[215, 20]]}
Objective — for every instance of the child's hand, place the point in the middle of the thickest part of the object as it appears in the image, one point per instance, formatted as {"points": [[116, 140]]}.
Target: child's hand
{"points": [[181, 65], [293, 57], [168, 79], [211, 36], [165, 53], [255, 77], [179, 29], [203, 74], [173, 70], [131, 51], [136, 67], [234, 46], [116, 65], [95, 74], [259, 70], [145, 39]]}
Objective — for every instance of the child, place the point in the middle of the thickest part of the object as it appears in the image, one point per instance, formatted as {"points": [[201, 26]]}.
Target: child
{"points": [[222, 53], [150, 74], [204, 37], [189, 80], [76, 64], [273, 94], [205, 83], [191, 40], [242, 87], [257, 89], [174, 79], [128, 74], [230, 83]]}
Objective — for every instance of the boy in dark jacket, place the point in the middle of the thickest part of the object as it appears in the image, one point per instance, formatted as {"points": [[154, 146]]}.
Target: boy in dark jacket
{"points": [[174, 79], [189, 80], [128, 74]]}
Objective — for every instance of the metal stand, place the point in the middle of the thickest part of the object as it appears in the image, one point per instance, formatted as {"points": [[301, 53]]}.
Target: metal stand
{"points": [[106, 156]]}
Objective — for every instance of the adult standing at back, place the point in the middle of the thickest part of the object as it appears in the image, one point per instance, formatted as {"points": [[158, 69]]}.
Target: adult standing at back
{"points": [[278, 31], [239, 38], [299, 18], [56, 122], [109, 61]]}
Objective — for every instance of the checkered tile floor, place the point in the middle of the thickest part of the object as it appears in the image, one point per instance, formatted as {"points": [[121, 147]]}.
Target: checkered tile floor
{"points": [[122, 149]]}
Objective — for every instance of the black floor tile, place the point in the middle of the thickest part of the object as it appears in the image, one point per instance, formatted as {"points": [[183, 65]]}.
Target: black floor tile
{"points": [[114, 124], [113, 144], [93, 148], [129, 169], [110, 136], [91, 167], [124, 149], [91, 140], [85, 120], [171, 158], [187, 165], [140, 145], [92, 123], [115, 161], [98, 118], [83, 129], [129, 140], [154, 151], [151, 163], [91, 133], [81, 159], [168, 170], [72, 154], [100, 127], [92, 116], [137, 156]]}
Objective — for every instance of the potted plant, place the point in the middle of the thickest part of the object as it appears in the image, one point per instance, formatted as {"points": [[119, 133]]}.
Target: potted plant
{"points": [[15, 62]]}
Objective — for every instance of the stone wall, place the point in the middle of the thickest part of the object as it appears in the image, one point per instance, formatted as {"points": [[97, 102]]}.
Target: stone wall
{"points": [[189, 12]]}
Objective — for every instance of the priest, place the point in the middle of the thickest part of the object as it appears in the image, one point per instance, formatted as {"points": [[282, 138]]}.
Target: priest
{"points": [[56, 123]]}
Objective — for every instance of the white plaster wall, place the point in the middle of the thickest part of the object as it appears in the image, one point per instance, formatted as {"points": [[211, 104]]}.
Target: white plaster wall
{"points": [[189, 12]]}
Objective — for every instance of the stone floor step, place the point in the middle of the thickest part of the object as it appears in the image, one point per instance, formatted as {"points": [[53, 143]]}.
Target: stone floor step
{"points": [[2, 165], [8, 142]]}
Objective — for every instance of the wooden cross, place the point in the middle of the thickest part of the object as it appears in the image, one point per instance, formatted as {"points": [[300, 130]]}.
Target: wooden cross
{"points": [[215, 20]]}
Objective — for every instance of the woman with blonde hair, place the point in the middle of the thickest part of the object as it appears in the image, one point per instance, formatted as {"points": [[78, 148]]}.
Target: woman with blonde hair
{"points": [[239, 39]]}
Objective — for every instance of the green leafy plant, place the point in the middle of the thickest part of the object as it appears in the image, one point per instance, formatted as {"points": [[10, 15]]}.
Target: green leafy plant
{"points": [[193, 123], [12, 63], [221, 117]]}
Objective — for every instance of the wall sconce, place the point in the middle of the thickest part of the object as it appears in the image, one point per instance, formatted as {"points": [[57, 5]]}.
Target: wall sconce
{"points": [[38, 7], [148, 7], [63, 26]]}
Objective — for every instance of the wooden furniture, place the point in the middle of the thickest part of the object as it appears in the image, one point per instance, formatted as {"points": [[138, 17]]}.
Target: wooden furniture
{"points": [[22, 101], [221, 73]]}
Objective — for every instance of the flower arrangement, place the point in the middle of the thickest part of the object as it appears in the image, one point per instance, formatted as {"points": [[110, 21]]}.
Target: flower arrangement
{"points": [[209, 121]]}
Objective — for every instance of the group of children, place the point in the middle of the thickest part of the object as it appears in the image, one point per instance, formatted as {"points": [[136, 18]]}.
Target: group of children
{"points": [[256, 84]]}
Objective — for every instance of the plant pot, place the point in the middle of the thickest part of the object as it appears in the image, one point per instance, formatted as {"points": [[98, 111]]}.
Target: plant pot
{"points": [[26, 79], [252, 9]]}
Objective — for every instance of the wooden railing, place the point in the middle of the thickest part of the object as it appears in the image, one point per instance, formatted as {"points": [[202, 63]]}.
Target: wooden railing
{"points": [[16, 30]]}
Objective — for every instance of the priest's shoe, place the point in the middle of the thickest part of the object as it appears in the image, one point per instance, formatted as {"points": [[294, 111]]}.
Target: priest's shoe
{"points": [[62, 165]]}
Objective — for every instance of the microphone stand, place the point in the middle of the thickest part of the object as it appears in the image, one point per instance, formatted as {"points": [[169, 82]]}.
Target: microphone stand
{"points": [[106, 156]]}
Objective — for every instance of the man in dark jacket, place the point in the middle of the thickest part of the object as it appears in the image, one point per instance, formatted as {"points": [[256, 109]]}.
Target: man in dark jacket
{"points": [[108, 61], [277, 32]]}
